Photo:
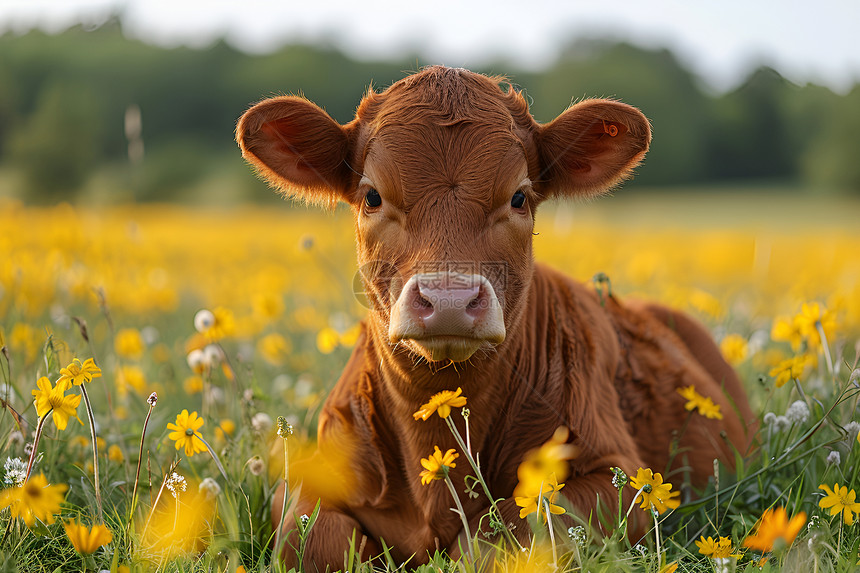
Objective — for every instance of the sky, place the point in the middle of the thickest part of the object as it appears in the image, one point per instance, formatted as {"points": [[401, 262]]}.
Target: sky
{"points": [[806, 41]]}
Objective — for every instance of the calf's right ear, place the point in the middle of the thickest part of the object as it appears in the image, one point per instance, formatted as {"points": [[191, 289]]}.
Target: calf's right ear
{"points": [[297, 148]]}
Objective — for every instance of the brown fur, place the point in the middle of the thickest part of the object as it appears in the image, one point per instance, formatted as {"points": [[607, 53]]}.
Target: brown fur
{"points": [[446, 149]]}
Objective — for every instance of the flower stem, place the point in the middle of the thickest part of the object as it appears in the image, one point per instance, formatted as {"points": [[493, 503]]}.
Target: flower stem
{"points": [[493, 505], [283, 501], [462, 518], [38, 434], [137, 473], [826, 347], [95, 451]]}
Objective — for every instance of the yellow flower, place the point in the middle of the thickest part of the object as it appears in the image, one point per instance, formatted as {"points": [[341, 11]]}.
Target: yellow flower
{"points": [[791, 369], [115, 454], [669, 567], [839, 499], [130, 377], [49, 398], [128, 343], [77, 373], [811, 315], [274, 348], [719, 549], [225, 428], [533, 501], [327, 340], [550, 459], [773, 525], [185, 433], [655, 491], [441, 403], [734, 348], [34, 500], [85, 540], [436, 466], [223, 326], [786, 330], [705, 406], [193, 384]]}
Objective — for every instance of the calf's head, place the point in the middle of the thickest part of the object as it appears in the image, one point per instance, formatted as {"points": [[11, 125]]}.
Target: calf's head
{"points": [[443, 171]]}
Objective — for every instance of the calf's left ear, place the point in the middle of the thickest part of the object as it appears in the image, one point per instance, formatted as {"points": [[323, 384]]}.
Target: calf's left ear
{"points": [[591, 147], [297, 148]]}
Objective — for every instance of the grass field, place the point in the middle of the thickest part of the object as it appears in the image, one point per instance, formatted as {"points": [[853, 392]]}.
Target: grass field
{"points": [[776, 279]]}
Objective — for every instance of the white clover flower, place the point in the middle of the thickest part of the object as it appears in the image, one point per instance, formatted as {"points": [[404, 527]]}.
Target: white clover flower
{"points": [[261, 422], [833, 458], [782, 423], [798, 412], [204, 320], [210, 488], [16, 471], [770, 419], [176, 483]]}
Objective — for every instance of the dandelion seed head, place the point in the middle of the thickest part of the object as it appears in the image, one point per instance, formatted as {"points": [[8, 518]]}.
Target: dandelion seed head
{"points": [[256, 465], [210, 488], [196, 360], [204, 320], [261, 422], [798, 412], [213, 355], [853, 429], [770, 419]]}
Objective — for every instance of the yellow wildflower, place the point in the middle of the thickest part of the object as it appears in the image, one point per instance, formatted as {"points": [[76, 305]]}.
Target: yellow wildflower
{"points": [[86, 540], [669, 567], [115, 454], [811, 315], [773, 525], [327, 340], [533, 501], [719, 549], [785, 329], [441, 403], [225, 428], [705, 406], [734, 347], [224, 324], [274, 348], [130, 377], [185, 433], [655, 492], [193, 384], [50, 398], [77, 373], [550, 459], [34, 500], [436, 465], [840, 500], [791, 369], [128, 343]]}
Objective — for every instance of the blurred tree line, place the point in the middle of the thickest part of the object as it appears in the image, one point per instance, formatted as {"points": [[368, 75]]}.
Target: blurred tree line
{"points": [[65, 98]]}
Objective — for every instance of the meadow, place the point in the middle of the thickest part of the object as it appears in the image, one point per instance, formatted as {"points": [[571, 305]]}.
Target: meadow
{"points": [[195, 345]]}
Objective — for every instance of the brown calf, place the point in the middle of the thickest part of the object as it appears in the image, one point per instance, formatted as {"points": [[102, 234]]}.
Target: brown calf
{"points": [[444, 171]]}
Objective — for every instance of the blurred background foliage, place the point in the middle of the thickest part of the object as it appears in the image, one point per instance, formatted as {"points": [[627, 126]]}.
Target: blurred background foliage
{"points": [[64, 100]]}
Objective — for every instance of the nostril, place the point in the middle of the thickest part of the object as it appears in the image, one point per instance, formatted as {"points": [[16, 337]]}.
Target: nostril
{"points": [[422, 302]]}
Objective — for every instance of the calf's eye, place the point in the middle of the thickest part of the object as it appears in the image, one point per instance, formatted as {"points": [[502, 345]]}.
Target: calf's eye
{"points": [[372, 199], [518, 200]]}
